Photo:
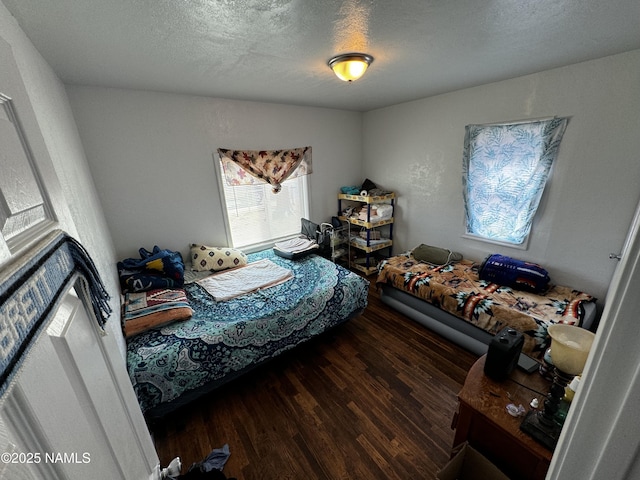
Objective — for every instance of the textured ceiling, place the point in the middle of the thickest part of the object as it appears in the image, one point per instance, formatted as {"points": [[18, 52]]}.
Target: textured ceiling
{"points": [[276, 50]]}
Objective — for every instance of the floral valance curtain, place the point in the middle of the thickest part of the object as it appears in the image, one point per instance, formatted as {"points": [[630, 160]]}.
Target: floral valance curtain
{"points": [[505, 169], [248, 167]]}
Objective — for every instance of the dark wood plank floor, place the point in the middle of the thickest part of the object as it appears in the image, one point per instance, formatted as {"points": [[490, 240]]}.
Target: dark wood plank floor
{"points": [[372, 399]]}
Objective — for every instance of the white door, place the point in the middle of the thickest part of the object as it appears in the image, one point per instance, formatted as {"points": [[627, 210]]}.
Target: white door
{"points": [[70, 412], [601, 438], [69, 415]]}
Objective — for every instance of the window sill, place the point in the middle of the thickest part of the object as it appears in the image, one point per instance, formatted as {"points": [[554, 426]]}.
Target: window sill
{"points": [[522, 246]]}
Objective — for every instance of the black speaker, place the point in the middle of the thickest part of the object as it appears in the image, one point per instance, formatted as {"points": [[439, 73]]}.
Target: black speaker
{"points": [[504, 351]]}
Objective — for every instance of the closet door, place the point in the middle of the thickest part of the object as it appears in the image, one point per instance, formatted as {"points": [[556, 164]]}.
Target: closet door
{"points": [[70, 412]]}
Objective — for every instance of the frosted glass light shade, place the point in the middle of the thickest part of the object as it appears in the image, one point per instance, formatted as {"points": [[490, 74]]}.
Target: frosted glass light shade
{"points": [[350, 66], [570, 347]]}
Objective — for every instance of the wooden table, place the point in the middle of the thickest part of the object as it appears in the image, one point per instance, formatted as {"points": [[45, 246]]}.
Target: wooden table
{"points": [[482, 420]]}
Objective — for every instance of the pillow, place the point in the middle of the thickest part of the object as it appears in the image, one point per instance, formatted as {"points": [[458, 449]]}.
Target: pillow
{"points": [[215, 259], [154, 308], [435, 255]]}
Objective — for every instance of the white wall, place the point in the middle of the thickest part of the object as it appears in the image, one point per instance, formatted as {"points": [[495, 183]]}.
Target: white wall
{"points": [[81, 216], [416, 149], [152, 158]]}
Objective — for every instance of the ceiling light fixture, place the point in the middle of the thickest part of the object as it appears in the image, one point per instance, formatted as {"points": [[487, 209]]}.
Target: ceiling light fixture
{"points": [[350, 66]]}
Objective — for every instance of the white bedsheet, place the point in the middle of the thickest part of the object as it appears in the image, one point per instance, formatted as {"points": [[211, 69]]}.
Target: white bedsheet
{"points": [[243, 280]]}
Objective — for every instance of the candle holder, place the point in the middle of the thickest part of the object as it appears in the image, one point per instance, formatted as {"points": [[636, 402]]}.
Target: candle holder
{"points": [[570, 347]]}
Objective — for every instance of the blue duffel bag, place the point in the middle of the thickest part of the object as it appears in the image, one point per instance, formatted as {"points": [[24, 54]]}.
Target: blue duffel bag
{"points": [[514, 273]]}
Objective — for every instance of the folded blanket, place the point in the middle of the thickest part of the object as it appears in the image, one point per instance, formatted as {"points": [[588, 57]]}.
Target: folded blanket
{"points": [[384, 211], [295, 245], [376, 212], [243, 280], [154, 308]]}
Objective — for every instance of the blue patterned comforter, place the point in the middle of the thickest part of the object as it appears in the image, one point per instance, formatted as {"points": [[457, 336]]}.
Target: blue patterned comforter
{"points": [[171, 365]]}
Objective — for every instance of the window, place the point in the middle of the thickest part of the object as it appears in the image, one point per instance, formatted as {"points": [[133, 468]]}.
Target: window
{"points": [[257, 217], [505, 169]]}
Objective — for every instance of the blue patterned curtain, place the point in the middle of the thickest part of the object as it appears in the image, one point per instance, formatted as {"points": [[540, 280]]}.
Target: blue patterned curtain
{"points": [[505, 168]]}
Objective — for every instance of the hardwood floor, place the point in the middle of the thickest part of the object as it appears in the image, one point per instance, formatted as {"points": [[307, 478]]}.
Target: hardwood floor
{"points": [[372, 399]]}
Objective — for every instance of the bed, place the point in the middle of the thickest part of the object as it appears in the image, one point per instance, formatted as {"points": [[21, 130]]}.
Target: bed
{"points": [[171, 365], [454, 302]]}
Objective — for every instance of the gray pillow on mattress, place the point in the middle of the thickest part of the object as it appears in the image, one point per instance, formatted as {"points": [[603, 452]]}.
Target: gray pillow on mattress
{"points": [[435, 255]]}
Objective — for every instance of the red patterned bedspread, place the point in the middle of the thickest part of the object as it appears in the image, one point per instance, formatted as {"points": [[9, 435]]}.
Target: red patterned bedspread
{"points": [[457, 289]]}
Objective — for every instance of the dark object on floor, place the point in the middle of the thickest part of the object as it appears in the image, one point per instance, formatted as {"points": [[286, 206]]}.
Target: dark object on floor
{"points": [[211, 467], [215, 460], [197, 474]]}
